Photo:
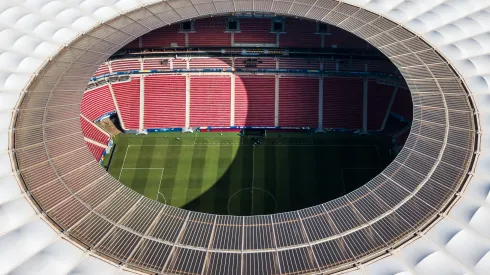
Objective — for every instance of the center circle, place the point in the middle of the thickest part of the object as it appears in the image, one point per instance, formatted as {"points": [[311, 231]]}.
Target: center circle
{"points": [[251, 200]]}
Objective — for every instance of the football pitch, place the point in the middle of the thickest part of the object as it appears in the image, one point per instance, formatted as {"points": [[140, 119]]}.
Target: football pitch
{"points": [[224, 173]]}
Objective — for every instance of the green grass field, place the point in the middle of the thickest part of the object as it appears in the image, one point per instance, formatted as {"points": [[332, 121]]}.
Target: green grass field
{"points": [[226, 174]]}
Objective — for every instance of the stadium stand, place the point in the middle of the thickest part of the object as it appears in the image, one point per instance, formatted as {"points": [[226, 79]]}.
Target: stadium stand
{"points": [[261, 63], [164, 101], [298, 101], [164, 93], [93, 132], [342, 103], [218, 63], [210, 32], [97, 102], [96, 150], [127, 95], [379, 96], [123, 65], [255, 31], [254, 101], [178, 63], [156, 64], [299, 63], [210, 101], [352, 65], [300, 34], [329, 64], [165, 37], [103, 69]]}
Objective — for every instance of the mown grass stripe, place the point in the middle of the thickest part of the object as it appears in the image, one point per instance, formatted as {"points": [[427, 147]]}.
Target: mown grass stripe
{"points": [[181, 185], [195, 182], [171, 166], [284, 168]]}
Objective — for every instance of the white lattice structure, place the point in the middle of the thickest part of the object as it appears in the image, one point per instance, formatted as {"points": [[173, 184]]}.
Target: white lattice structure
{"points": [[60, 213]]}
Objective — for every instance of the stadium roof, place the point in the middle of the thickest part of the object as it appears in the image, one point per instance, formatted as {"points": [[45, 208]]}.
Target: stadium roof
{"points": [[60, 213]]}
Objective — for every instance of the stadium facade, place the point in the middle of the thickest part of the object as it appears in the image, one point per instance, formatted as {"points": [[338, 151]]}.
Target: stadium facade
{"points": [[49, 223]]}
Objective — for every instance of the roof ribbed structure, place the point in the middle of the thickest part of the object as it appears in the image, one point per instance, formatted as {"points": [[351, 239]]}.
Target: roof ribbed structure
{"points": [[61, 213]]}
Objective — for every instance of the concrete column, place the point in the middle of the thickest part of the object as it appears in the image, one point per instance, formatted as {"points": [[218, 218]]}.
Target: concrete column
{"points": [[320, 103], [117, 107], [388, 110], [276, 102], [187, 100], [140, 42], [232, 100], [142, 104], [365, 106]]}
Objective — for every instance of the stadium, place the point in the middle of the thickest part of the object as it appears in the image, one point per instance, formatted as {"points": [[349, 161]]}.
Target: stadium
{"points": [[244, 137]]}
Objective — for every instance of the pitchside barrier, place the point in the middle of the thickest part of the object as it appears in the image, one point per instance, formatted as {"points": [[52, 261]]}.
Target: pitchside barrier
{"points": [[393, 78]]}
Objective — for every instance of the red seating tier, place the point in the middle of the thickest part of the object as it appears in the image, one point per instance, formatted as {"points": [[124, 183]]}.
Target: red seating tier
{"points": [[210, 101], [179, 64], [352, 65], [97, 102], [97, 151], [92, 132], [103, 69], [342, 103], [156, 64], [299, 63], [218, 63], [254, 101], [125, 65], [298, 101], [378, 100], [263, 63], [128, 99], [164, 101], [300, 34], [210, 32], [165, 37], [255, 31]]}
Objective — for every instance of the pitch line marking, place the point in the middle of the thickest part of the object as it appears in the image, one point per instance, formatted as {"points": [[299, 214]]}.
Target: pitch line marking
{"points": [[159, 185], [142, 168], [122, 167], [250, 188]]}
